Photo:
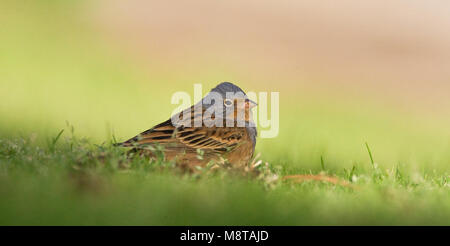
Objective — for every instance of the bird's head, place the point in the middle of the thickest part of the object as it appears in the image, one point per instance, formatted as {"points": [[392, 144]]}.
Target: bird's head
{"points": [[231, 100]]}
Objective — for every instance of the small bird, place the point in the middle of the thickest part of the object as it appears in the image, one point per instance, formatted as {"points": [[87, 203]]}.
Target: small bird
{"points": [[219, 129]]}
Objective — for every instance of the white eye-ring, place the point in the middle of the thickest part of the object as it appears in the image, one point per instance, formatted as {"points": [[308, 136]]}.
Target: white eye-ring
{"points": [[228, 102]]}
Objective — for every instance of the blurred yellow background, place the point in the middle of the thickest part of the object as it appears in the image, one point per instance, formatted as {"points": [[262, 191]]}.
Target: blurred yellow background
{"points": [[347, 71]]}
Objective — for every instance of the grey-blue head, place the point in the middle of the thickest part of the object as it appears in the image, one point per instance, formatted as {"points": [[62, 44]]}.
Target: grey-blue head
{"points": [[225, 87], [229, 94], [232, 95]]}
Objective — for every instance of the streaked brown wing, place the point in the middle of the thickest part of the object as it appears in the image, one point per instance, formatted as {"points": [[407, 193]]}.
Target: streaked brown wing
{"points": [[219, 139], [160, 133]]}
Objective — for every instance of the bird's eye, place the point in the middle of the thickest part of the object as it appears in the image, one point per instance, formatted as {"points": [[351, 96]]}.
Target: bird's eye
{"points": [[228, 102]]}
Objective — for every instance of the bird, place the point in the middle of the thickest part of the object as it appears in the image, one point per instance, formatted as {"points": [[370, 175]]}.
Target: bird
{"points": [[217, 129]]}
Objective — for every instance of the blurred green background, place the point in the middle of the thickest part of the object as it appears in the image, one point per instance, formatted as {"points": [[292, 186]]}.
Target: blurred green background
{"points": [[347, 74]]}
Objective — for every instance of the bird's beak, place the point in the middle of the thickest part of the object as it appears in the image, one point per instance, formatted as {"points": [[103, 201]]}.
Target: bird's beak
{"points": [[250, 104]]}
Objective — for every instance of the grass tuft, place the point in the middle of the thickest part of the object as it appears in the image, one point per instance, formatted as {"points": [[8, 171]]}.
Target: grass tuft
{"points": [[370, 155], [43, 183]]}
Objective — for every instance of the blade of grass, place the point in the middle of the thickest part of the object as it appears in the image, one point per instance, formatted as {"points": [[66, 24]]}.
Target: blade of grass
{"points": [[352, 172], [322, 163], [57, 137], [370, 155], [54, 140]]}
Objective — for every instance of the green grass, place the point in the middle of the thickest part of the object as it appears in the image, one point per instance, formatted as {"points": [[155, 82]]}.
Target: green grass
{"points": [[74, 182], [55, 68]]}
